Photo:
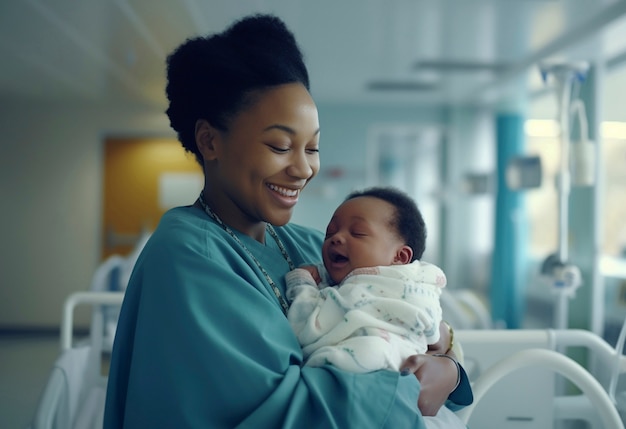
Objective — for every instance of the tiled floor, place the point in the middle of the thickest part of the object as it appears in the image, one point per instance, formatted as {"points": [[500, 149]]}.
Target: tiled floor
{"points": [[25, 364]]}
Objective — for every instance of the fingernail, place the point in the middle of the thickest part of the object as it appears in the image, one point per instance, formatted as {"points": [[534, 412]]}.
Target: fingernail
{"points": [[405, 371]]}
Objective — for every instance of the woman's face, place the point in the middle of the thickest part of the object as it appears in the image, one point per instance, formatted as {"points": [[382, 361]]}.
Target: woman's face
{"points": [[360, 235], [261, 164]]}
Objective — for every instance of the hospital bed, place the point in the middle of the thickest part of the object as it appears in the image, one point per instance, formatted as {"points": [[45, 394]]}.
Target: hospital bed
{"points": [[513, 373], [465, 309], [74, 395], [75, 391], [515, 381]]}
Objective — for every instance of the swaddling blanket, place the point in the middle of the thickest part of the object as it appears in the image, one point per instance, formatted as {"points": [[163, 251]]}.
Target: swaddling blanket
{"points": [[375, 319]]}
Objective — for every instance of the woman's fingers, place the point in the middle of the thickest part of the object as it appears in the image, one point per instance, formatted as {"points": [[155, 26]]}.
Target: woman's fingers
{"points": [[437, 376]]}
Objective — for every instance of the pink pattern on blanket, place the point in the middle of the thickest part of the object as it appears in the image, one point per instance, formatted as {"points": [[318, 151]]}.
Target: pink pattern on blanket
{"points": [[441, 280], [374, 271]]}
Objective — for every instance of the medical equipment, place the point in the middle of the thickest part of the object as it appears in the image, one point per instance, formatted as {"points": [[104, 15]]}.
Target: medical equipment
{"points": [[75, 391], [513, 377], [74, 394], [465, 309], [112, 275], [512, 373], [565, 277]]}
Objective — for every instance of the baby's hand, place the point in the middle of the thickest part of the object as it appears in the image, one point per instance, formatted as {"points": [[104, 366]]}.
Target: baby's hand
{"points": [[314, 272], [300, 280]]}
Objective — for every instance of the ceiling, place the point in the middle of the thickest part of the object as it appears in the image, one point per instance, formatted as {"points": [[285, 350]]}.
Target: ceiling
{"points": [[417, 51]]}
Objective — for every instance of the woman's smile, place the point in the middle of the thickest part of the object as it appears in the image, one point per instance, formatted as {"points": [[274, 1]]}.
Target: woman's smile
{"points": [[285, 196]]}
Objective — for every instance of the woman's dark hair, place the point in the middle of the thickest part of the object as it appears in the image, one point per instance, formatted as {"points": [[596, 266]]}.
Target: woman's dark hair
{"points": [[408, 220], [214, 77]]}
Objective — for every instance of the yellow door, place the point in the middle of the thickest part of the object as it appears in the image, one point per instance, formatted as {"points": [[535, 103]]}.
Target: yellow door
{"points": [[143, 177]]}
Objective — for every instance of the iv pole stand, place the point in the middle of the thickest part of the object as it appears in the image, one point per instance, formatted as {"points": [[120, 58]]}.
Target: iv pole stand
{"points": [[565, 278]]}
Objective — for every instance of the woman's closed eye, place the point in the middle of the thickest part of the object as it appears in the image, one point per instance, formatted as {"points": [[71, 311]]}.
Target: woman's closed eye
{"points": [[278, 149]]}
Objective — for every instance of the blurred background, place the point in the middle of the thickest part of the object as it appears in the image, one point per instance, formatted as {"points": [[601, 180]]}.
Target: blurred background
{"points": [[458, 102]]}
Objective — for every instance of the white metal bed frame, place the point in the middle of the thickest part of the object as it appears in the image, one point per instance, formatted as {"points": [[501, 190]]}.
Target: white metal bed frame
{"points": [[513, 378], [512, 374]]}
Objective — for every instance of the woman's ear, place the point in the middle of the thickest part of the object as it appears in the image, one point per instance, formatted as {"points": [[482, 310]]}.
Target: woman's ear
{"points": [[403, 255], [205, 139]]}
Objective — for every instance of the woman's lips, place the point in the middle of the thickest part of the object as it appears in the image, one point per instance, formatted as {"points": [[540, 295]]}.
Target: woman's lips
{"points": [[286, 196]]}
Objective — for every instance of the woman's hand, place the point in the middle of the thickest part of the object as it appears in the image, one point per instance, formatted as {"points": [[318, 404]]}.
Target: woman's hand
{"points": [[444, 345], [438, 377]]}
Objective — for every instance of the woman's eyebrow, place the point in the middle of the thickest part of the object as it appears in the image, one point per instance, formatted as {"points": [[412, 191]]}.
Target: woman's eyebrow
{"points": [[286, 129]]}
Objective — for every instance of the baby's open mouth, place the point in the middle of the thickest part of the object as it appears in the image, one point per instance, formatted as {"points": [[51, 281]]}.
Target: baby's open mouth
{"points": [[336, 257]]}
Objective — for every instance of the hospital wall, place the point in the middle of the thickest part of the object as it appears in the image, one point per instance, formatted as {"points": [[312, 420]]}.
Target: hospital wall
{"points": [[467, 146], [51, 188], [344, 139]]}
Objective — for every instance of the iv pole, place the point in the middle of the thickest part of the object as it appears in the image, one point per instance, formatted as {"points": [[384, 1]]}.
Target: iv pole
{"points": [[566, 278]]}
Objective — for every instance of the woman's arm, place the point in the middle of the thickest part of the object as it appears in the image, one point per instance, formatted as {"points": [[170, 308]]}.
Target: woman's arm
{"points": [[443, 380]]}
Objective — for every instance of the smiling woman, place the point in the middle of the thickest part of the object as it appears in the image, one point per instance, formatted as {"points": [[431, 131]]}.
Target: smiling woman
{"points": [[202, 338]]}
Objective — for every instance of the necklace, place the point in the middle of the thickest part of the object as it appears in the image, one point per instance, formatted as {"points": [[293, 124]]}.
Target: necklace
{"points": [[272, 232]]}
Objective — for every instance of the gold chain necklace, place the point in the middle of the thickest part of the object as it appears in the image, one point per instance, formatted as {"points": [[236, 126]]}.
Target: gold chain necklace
{"points": [[283, 303]]}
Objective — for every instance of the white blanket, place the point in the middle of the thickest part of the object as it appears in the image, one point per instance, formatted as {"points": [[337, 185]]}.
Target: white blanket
{"points": [[375, 319]]}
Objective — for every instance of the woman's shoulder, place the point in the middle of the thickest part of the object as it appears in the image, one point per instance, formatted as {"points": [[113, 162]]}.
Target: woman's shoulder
{"points": [[185, 227], [180, 222], [184, 215]]}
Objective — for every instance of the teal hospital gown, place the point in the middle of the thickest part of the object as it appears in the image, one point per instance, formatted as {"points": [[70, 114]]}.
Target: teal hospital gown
{"points": [[202, 342]]}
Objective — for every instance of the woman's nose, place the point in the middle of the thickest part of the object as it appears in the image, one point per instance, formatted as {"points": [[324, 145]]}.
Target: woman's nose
{"points": [[301, 166]]}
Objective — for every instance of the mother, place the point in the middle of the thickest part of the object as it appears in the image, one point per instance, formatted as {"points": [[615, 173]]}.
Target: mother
{"points": [[202, 340]]}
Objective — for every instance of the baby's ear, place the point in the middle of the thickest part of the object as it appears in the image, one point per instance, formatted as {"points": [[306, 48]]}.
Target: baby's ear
{"points": [[403, 255]]}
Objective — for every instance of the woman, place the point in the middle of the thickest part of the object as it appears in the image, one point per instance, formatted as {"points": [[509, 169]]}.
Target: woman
{"points": [[202, 340]]}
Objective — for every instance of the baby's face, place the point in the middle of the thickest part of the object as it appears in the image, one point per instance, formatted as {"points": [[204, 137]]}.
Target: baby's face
{"points": [[360, 235]]}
